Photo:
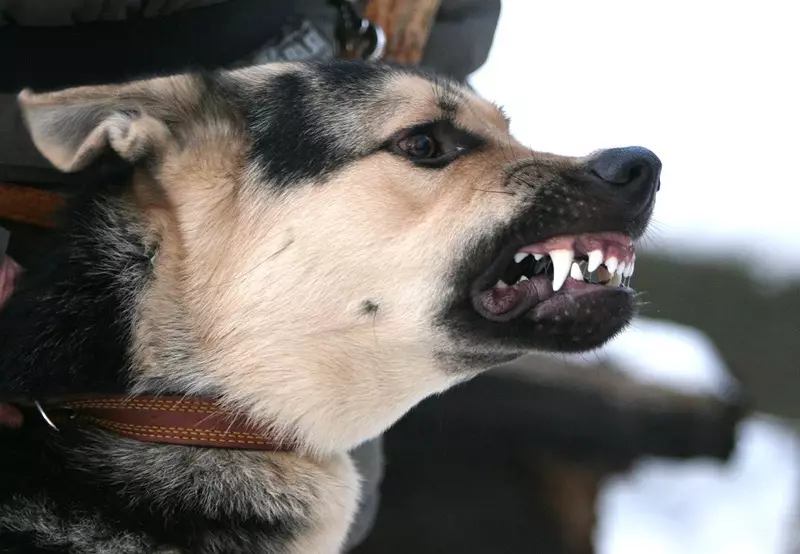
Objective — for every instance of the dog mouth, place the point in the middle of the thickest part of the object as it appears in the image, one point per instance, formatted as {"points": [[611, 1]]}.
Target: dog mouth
{"points": [[562, 278]]}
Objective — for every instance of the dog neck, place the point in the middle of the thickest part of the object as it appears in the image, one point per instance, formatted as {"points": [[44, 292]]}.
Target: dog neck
{"points": [[67, 330], [67, 333]]}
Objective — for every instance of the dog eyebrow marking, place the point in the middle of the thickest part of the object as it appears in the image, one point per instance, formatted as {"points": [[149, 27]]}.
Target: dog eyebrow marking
{"points": [[448, 99], [449, 107]]}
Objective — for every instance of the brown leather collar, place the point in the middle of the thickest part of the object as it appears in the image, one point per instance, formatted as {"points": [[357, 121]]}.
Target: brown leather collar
{"points": [[190, 421]]}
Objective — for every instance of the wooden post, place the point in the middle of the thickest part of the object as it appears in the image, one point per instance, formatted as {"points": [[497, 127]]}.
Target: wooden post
{"points": [[407, 25]]}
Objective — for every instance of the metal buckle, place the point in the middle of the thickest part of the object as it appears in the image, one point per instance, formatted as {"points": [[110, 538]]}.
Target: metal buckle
{"points": [[357, 38], [44, 415]]}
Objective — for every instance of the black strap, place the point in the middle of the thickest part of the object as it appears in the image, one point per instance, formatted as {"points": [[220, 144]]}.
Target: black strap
{"points": [[113, 51]]}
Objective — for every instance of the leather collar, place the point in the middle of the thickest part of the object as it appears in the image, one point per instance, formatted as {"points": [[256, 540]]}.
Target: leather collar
{"points": [[188, 421]]}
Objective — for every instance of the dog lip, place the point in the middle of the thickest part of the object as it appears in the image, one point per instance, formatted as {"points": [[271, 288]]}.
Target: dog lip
{"points": [[571, 294]]}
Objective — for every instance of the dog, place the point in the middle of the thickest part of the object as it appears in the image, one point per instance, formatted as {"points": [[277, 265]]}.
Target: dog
{"points": [[316, 247]]}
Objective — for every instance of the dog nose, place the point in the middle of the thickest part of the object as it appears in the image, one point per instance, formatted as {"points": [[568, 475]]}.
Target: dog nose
{"points": [[633, 171]]}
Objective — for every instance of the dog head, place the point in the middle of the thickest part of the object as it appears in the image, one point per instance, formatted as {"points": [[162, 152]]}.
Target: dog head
{"points": [[337, 241]]}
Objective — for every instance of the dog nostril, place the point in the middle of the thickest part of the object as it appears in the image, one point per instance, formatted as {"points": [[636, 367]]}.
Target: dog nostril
{"points": [[635, 167], [635, 172], [620, 178]]}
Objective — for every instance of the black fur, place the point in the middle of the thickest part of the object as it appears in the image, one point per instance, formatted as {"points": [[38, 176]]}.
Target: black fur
{"points": [[64, 330], [80, 507], [294, 139]]}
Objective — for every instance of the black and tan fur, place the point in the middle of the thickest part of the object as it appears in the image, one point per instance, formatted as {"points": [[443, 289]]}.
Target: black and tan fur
{"points": [[272, 247]]}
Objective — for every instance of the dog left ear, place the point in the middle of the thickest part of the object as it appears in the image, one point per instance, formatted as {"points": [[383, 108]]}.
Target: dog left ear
{"points": [[71, 128]]}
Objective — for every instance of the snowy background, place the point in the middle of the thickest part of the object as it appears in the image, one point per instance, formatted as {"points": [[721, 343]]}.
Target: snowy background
{"points": [[749, 506], [714, 89]]}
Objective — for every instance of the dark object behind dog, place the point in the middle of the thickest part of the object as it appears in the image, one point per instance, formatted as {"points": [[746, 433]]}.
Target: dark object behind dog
{"points": [[507, 464]]}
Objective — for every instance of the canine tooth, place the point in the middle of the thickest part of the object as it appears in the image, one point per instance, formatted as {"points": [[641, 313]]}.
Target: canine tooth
{"points": [[519, 256], [538, 257], [575, 272], [522, 279], [500, 284], [629, 269], [562, 262], [615, 281], [595, 259], [612, 264], [621, 269]]}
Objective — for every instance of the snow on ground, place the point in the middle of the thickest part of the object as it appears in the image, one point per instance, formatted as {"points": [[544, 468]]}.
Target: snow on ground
{"points": [[749, 506], [706, 85], [701, 507]]}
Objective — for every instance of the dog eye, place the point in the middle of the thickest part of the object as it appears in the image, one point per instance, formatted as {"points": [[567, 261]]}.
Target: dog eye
{"points": [[434, 144], [420, 146]]}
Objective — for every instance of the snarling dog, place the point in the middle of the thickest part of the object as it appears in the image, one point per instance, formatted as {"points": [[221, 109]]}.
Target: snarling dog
{"points": [[311, 249]]}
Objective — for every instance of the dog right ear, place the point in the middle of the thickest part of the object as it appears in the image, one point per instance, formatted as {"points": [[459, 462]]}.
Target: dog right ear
{"points": [[73, 127]]}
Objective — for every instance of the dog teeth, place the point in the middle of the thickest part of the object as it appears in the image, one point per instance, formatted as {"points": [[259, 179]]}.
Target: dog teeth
{"points": [[629, 267], [595, 259], [562, 262], [593, 267], [611, 265]]}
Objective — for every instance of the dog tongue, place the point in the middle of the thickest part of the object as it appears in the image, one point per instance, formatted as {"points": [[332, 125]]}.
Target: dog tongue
{"points": [[505, 304]]}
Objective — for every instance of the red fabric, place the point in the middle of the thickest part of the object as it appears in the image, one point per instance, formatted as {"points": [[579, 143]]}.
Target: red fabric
{"points": [[9, 271]]}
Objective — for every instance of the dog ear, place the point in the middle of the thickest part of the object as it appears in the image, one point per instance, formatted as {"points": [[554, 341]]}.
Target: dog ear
{"points": [[75, 126]]}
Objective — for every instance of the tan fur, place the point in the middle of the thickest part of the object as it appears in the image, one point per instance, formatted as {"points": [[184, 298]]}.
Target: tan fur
{"points": [[338, 499]]}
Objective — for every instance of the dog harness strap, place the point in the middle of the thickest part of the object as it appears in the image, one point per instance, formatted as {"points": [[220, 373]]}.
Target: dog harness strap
{"points": [[189, 421]]}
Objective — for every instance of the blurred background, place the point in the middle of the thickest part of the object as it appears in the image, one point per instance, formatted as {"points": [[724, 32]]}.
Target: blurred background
{"points": [[712, 88]]}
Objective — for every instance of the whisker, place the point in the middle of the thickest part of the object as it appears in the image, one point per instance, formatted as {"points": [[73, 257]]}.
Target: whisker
{"points": [[508, 192]]}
